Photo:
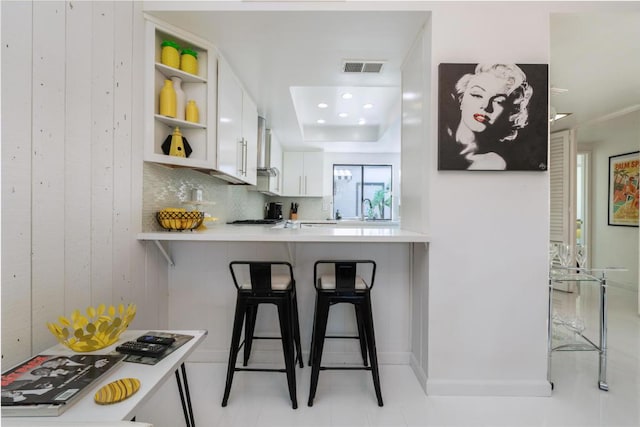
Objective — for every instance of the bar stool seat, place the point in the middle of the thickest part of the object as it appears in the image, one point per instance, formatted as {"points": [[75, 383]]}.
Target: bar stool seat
{"points": [[328, 281], [344, 285], [279, 282], [257, 283]]}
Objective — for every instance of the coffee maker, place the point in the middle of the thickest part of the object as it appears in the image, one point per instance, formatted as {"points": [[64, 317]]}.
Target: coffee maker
{"points": [[273, 210]]}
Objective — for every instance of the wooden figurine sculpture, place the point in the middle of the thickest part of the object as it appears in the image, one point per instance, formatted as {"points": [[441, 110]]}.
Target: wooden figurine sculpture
{"points": [[176, 145]]}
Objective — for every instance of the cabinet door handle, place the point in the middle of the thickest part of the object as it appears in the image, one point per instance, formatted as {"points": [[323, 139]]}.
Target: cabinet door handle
{"points": [[300, 184], [305, 184], [246, 155], [241, 163]]}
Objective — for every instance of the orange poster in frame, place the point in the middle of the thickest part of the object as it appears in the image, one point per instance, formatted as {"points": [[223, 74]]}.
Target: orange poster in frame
{"points": [[623, 189]]}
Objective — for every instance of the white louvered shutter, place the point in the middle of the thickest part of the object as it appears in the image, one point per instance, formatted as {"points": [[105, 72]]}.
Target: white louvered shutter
{"points": [[562, 179]]}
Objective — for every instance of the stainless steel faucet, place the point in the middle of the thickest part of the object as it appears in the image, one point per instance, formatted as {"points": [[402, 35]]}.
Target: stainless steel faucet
{"points": [[362, 215]]}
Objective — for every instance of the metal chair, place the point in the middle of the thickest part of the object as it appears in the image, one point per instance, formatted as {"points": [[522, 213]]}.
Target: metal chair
{"points": [[344, 285], [263, 285]]}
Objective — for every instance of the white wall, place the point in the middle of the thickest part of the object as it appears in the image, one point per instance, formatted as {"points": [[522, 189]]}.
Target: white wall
{"points": [[488, 254], [71, 170], [611, 245], [416, 153], [72, 183]]}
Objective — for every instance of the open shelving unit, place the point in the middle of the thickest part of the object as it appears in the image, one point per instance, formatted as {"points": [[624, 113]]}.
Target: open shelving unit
{"points": [[201, 88]]}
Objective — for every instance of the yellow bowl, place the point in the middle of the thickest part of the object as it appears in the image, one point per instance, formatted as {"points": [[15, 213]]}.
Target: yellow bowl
{"points": [[100, 328], [174, 220]]}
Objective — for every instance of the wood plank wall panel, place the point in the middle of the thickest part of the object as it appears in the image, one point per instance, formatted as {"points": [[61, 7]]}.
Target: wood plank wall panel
{"points": [[122, 156], [102, 191], [72, 169], [16, 182], [77, 242], [48, 169], [145, 290]]}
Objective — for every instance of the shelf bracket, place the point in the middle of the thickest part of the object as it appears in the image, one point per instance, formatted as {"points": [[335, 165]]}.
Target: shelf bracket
{"points": [[164, 252]]}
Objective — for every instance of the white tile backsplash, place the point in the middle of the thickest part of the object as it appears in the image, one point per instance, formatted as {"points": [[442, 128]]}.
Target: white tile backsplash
{"points": [[165, 187]]}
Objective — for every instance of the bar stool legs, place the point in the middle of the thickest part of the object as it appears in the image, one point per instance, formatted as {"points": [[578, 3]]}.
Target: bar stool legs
{"points": [[235, 343], [249, 328], [250, 325], [361, 337], [247, 307], [296, 328], [317, 345], [285, 316], [371, 342], [362, 304]]}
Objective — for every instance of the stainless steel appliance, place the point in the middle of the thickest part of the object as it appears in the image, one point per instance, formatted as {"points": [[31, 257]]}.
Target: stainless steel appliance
{"points": [[268, 175], [273, 210], [264, 149]]}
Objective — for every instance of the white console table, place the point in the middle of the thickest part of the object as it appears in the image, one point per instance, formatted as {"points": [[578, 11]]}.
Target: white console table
{"points": [[151, 378]]}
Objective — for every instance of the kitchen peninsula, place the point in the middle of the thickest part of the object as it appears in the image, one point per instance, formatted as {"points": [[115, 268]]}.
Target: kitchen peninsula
{"points": [[269, 233], [202, 294]]}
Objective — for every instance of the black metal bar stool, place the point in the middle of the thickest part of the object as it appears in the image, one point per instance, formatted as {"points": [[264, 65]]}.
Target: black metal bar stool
{"points": [[262, 285], [344, 285]]}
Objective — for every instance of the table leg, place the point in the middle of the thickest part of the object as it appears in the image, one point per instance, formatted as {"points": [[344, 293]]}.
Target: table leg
{"points": [[185, 397], [602, 366]]}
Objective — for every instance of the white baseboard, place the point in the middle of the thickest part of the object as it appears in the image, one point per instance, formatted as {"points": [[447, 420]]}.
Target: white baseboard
{"points": [[488, 388], [419, 372]]}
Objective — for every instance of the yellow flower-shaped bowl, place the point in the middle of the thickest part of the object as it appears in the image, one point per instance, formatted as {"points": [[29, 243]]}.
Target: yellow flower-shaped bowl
{"points": [[100, 328]]}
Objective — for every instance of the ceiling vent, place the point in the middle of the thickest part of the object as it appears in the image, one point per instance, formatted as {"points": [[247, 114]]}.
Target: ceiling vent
{"points": [[362, 66]]}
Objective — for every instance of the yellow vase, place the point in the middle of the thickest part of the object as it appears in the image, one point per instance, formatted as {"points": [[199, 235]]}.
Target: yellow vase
{"points": [[168, 100], [189, 61], [169, 54], [192, 114]]}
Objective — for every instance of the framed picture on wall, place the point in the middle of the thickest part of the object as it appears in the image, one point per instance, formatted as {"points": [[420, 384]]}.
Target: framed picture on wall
{"points": [[493, 117], [623, 189]]}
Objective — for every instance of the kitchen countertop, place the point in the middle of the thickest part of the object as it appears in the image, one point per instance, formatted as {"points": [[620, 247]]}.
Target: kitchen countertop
{"points": [[262, 233]]}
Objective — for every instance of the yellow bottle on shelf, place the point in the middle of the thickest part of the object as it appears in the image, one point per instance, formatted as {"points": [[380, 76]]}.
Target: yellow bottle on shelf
{"points": [[168, 100], [192, 114], [170, 55], [189, 61]]}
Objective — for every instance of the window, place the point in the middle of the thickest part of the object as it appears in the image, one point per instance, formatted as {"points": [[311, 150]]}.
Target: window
{"points": [[362, 192]]}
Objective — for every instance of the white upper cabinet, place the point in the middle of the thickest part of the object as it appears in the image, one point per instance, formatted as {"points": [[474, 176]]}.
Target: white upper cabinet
{"points": [[302, 174], [250, 135], [237, 129], [200, 87]]}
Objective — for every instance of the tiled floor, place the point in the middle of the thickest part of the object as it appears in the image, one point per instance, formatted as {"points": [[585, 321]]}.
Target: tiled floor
{"points": [[346, 398]]}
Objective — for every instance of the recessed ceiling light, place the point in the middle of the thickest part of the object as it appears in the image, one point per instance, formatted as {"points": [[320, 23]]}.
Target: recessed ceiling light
{"points": [[343, 115], [367, 106], [347, 95], [322, 105], [362, 121], [320, 121]]}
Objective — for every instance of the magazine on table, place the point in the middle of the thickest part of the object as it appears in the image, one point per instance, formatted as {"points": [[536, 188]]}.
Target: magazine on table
{"points": [[46, 385]]}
